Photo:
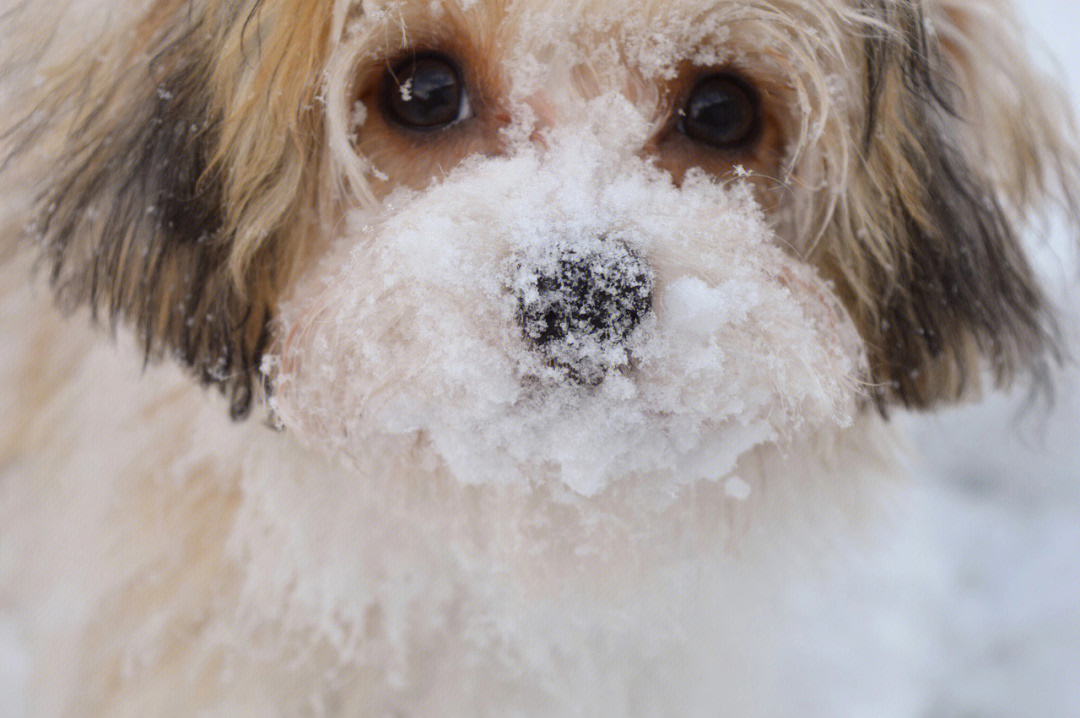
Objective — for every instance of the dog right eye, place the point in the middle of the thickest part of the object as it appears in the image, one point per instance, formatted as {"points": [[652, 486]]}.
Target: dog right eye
{"points": [[424, 92], [723, 110]]}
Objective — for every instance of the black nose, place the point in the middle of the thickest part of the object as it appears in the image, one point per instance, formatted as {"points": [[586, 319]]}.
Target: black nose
{"points": [[579, 305]]}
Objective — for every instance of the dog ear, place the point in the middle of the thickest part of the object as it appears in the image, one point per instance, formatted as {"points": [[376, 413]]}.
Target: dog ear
{"points": [[1010, 119], [156, 205], [962, 142]]}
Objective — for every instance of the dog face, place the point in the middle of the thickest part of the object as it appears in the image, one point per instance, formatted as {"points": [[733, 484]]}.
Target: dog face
{"points": [[697, 227], [569, 299]]}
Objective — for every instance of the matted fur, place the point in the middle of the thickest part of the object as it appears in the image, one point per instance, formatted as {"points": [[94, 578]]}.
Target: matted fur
{"points": [[205, 176]]}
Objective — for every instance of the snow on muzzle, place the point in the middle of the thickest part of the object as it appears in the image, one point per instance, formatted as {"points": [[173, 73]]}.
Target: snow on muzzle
{"points": [[566, 314]]}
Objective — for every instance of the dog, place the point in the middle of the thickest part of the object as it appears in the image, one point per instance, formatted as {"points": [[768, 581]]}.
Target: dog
{"points": [[546, 341]]}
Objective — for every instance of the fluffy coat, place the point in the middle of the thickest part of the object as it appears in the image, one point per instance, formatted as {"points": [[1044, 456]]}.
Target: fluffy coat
{"points": [[433, 516]]}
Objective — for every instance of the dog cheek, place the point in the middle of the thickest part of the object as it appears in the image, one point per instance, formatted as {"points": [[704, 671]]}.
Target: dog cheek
{"points": [[380, 324]]}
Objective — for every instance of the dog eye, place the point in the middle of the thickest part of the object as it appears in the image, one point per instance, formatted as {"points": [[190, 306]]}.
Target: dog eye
{"points": [[722, 111], [424, 92]]}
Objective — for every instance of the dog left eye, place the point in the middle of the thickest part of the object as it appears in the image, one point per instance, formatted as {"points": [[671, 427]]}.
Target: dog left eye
{"points": [[424, 92]]}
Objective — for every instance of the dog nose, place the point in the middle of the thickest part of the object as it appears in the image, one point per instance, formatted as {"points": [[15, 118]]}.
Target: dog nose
{"points": [[578, 305]]}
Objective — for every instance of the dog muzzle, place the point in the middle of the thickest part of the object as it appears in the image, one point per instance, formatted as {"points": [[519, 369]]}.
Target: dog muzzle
{"points": [[565, 313]]}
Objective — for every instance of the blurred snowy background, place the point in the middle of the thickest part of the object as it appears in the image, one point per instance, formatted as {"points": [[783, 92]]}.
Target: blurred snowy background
{"points": [[971, 607]]}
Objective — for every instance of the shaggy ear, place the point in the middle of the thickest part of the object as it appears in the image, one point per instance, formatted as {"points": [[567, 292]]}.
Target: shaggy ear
{"points": [[963, 141], [147, 196]]}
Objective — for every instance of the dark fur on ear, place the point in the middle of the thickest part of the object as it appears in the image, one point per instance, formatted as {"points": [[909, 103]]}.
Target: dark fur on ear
{"points": [[131, 222], [957, 295]]}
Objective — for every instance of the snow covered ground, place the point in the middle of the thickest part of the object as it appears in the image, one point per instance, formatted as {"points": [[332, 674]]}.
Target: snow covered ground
{"points": [[971, 609]]}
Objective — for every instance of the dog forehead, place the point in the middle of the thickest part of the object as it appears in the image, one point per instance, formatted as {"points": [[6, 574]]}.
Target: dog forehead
{"points": [[576, 9], [548, 28]]}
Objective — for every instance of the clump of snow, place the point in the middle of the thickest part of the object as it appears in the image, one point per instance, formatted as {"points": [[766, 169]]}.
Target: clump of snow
{"points": [[359, 114], [737, 488], [413, 325]]}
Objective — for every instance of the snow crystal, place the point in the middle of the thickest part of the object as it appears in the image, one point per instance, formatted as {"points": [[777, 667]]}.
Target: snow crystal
{"points": [[359, 114]]}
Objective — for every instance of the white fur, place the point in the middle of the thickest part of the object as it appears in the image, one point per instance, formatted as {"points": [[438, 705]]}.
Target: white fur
{"points": [[229, 571], [466, 560]]}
